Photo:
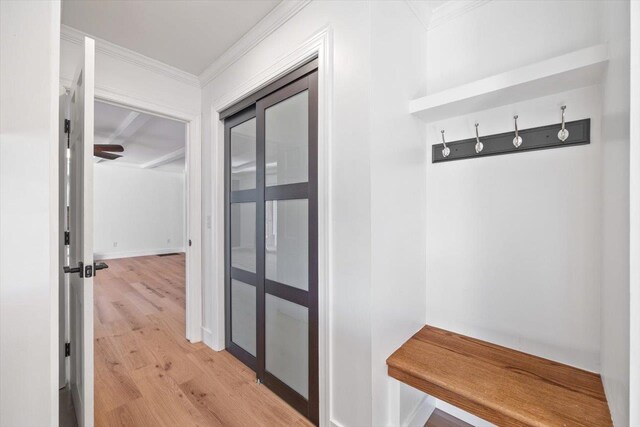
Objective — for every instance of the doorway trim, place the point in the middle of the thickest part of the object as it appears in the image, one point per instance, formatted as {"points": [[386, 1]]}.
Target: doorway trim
{"points": [[319, 45], [193, 196]]}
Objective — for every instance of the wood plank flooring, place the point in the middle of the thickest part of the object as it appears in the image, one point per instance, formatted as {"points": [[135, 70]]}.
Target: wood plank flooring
{"points": [[148, 374], [442, 419]]}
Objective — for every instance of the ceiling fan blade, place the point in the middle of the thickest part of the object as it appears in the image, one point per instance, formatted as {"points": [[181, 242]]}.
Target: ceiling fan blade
{"points": [[107, 156], [115, 148]]}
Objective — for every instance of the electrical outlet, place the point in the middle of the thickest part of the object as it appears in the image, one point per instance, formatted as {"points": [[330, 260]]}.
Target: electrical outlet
{"points": [[115, 244], [168, 240]]}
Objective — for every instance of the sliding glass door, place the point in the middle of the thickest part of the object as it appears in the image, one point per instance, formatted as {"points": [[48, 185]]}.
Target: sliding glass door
{"points": [[271, 238], [241, 249]]}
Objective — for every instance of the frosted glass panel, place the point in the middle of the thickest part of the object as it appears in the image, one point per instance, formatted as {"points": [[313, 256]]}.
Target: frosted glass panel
{"points": [[243, 315], [287, 140], [287, 242], [287, 343], [243, 156], [243, 236]]}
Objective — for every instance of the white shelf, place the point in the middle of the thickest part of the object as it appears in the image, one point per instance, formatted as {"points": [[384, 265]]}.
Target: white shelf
{"points": [[577, 69]]}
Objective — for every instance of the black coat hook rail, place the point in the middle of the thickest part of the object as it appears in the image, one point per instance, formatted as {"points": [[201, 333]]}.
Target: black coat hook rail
{"points": [[540, 138]]}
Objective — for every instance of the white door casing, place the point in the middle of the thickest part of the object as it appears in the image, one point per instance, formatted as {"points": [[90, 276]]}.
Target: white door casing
{"points": [[63, 281], [81, 236]]}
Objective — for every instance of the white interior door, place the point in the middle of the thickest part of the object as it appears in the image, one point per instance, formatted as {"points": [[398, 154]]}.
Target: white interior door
{"points": [[81, 264]]}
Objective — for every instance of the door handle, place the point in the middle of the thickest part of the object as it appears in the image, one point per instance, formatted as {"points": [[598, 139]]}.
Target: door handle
{"points": [[99, 266], [88, 271], [79, 269]]}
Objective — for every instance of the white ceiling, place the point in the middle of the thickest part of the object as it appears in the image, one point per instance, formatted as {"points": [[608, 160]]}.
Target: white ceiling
{"points": [[149, 141], [189, 35]]}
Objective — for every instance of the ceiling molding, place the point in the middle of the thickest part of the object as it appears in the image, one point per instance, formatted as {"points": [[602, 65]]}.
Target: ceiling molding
{"points": [[267, 25], [123, 126], [163, 160], [453, 9], [127, 128], [104, 47], [431, 18], [419, 12], [116, 134]]}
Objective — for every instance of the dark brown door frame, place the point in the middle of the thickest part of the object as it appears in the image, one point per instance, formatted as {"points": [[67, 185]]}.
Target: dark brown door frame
{"points": [[305, 78], [229, 271]]}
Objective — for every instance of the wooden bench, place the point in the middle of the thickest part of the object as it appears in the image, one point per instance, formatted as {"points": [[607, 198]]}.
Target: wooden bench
{"points": [[501, 385]]}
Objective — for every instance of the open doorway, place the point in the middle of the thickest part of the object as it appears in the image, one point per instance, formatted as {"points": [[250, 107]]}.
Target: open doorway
{"points": [[139, 222], [140, 232], [139, 197]]}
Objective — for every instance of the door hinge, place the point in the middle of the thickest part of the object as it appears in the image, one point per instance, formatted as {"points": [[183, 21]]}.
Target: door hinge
{"points": [[67, 349], [189, 242], [67, 130], [88, 270], [67, 238]]}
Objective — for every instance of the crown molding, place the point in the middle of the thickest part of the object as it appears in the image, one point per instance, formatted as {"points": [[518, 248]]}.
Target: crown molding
{"points": [[453, 9], [267, 25], [120, 53], [419, 11], [450, 10]]}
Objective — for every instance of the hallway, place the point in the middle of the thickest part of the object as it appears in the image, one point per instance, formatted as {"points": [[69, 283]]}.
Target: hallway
{"points": [[147, 374]]}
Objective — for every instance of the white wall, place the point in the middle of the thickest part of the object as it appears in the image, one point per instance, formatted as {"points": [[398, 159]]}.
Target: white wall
{"points": [[502, 35], [634, 157], [141, 211], [615, 213], [398, 198], [513, 241], [29, 49], [513, 251], [373, 308], [531, 251]]}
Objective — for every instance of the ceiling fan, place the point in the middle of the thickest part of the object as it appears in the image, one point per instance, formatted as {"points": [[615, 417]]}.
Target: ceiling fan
{"points": [[105, 151]]}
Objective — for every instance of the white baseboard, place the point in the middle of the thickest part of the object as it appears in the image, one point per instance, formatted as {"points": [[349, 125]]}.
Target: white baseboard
{"points": [[417, 418], [463, 415], [131, 254], [421, 413], [207, 337]]}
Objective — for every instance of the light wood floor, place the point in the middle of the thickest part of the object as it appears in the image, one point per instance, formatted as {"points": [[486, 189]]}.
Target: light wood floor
{"points": [[442, 419], [147, 374]]}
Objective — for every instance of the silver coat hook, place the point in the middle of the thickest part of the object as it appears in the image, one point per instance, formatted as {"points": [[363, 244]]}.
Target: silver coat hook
{"points": [[446, 151], [563, 134], [479, 145], [517, 141]]}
